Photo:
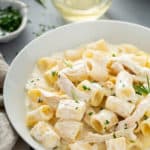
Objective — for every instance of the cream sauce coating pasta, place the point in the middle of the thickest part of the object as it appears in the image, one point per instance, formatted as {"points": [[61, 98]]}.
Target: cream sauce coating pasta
{"points": [[95, 97]]}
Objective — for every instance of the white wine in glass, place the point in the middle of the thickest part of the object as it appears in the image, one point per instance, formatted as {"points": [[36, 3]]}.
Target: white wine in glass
{"points": [[81, 10]]}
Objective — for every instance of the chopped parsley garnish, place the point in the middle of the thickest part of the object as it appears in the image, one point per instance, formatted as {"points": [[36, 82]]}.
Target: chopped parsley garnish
{"points": [[145, 117], [113, 55], [29, 21], [68, 63], [39, 100], [74, 96], [10, 19], [76, 108], [123, 85], [132, 141], [107, 122], [111, 89], [140, 89], [41, 2], [148, 83], [54, 73], [32, 81], [90, 113], [114, 136], [125, 126], [55, 147], [86, 88], [114, 94]]}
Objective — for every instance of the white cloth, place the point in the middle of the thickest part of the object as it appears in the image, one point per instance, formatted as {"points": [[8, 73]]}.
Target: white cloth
{"points": [[3, 70], [8, 137]]}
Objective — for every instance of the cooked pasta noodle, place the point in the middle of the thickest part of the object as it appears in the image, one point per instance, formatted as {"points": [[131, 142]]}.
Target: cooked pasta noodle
{"points": [[124, 86], [103, 120], [45, 134], [68, 129], [42, 113], [145, 127], [117, 144], [95, 91], [119, 106], [135, 145]]}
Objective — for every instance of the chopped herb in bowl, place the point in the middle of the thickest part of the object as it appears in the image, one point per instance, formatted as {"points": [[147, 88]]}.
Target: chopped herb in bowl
{"points": [[10, 19]]}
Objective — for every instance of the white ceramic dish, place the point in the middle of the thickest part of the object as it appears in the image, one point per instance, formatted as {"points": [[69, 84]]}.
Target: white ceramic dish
{"points": [[22, 7], [59, 39]]}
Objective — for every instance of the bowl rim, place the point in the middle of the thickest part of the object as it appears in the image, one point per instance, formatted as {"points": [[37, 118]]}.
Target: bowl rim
{"points": [[38, 38], [24, 10]]}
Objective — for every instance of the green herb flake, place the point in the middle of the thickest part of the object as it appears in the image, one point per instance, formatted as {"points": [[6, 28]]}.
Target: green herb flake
{"points": [[90, 113], [39, 100], [125, 126], [107, 122], [114, 136], [123, 85], [54, 73], [3, 33], [29, 21], [145, 117], [42, 29], [32, 81], [76, 108], [55, 148], [37, 33], [41, 2], [86, 88], [113, 55], [140, 89], [114, 94], [74, 96], [68, 63], [132, 141], [148, 83]]}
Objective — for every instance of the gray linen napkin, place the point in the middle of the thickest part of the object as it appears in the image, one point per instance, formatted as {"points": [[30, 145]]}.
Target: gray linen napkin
{"points": [[8, 137]]}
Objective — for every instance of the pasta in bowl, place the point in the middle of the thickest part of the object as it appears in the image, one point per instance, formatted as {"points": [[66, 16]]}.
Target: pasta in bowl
{"points": [[59, 80], [94, 97]]}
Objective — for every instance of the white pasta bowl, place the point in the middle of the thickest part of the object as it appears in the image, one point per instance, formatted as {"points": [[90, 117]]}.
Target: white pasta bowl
{"points": [[68, 36]]}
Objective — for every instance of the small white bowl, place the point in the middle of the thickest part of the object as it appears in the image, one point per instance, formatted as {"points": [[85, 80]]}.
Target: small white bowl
{"points": [[22, 7], [62, 38]]}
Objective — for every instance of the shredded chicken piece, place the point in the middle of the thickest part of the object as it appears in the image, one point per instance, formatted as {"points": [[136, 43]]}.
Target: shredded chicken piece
{"points": [[130, 121], [97, 138], [126, 60], [67, 86]]}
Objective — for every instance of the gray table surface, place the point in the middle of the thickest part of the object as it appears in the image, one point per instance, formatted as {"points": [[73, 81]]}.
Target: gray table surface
{"points": [[136, 11]]}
